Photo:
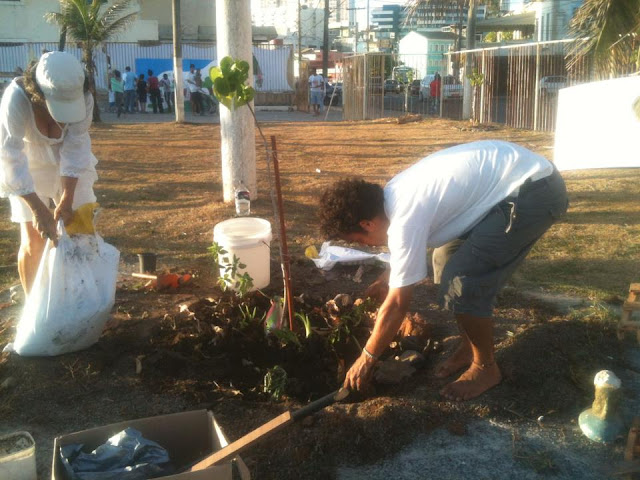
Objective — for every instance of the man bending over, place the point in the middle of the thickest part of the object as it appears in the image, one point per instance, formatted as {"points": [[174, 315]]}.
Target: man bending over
{"points": [[482, 206]]}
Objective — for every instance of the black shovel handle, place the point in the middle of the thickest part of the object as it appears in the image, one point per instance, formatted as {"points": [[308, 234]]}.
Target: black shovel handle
{"points": [[319, 404]]}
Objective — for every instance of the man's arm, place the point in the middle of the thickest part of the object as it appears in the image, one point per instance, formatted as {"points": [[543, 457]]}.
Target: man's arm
{"points": [[388, 321]]}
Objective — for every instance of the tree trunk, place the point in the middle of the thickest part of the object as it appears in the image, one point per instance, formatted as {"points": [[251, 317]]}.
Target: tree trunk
{"points": [[468, 62], [237, 128], [87, 58], [177, 63], [63, 39]]}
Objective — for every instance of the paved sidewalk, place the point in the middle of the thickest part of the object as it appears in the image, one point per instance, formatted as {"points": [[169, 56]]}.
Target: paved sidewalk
{"points": [[263, 114]]}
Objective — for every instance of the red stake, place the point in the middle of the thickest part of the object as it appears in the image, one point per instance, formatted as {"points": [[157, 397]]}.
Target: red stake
{"points": [[286, 266]]}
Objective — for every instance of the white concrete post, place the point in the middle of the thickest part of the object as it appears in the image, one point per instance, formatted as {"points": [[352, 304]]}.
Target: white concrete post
{"points": [[237, 129]]}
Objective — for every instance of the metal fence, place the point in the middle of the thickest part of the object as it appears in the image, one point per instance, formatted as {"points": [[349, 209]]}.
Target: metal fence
{"points": [[519, 88], [521, 82], [378, 85], [273, 64]]}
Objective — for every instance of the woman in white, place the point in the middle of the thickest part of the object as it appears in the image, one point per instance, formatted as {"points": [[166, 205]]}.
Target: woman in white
{"points": [[45, 152]]}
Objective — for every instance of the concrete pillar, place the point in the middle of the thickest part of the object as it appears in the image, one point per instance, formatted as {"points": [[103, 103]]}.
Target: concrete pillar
{"points": [[237, 129]]}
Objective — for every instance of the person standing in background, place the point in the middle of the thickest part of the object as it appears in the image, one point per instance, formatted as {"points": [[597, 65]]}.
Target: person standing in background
{"points": [[166, 85], [194, 91], [316, 84], [117, 87], [141, 88], [129, 80], [154, 92]]}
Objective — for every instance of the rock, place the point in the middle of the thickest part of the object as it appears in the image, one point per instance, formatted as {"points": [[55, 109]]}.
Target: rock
{"points": [[413, 358], [357, 277], [411, 343], [343, 300], [392, 371]]}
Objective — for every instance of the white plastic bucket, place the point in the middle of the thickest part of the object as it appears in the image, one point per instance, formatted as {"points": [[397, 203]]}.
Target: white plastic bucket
{"points": [[249, 239], [18, 456]]}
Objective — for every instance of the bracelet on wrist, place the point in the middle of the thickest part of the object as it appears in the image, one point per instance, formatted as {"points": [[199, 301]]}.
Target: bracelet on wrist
{"points": [[369, 354]]}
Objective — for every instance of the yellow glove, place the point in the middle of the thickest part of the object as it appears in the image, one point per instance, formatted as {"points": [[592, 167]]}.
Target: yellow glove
{"points": [[82, 220]]}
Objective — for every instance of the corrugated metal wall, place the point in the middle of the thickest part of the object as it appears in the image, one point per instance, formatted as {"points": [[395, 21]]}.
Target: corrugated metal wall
{"points": [[276, 62]]}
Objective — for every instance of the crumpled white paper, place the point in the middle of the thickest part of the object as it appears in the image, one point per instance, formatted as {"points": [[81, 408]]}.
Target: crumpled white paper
{"points": [[330, 255]]}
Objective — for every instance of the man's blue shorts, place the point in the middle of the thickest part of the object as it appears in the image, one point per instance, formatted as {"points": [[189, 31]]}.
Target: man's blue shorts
{"points": [[316, 98]]}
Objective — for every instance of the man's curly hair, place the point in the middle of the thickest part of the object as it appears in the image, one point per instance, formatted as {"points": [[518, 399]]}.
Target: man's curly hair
{"points": [[346, 203]]}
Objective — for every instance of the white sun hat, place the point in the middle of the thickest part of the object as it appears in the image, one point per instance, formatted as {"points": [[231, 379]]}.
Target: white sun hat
{"points": [[61, 79]]}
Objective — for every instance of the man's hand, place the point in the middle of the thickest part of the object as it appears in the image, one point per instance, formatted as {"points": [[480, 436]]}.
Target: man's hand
{"points": [[379, 289], [359, 375]]}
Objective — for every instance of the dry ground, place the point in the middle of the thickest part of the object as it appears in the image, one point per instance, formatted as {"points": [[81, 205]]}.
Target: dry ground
{"points": [[160, 191]]}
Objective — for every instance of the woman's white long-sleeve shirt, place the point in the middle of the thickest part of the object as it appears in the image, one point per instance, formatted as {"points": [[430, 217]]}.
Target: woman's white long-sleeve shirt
{"points": [[32, 162]]}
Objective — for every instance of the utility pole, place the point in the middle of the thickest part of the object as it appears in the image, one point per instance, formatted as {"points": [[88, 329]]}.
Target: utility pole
{"points": [[325, 41], [299, 43], [177, 63], [367, 26]]}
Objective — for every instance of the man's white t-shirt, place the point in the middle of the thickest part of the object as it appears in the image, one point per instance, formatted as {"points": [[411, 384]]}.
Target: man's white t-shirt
{"points": [[445, 194], [316, 82], [190, 80]]}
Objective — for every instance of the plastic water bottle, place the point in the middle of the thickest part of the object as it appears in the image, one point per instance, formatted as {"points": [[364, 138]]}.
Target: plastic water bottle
{"points": [[243, 201]]}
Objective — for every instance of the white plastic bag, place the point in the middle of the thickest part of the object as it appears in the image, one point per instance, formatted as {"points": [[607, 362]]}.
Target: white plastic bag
{"points": [[330, 255], [71, 298]]}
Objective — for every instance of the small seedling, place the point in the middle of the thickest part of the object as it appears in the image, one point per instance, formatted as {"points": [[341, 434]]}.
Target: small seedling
{"points": [[275, 382], [230, 277], [306, 321]]}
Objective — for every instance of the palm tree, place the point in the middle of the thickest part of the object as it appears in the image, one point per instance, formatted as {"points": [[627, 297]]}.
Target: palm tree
{"points": [[609, 31], [83, 23]]}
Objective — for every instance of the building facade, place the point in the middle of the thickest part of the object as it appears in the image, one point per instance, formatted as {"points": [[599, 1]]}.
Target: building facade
{"points": [[425, 52], [23, 21], [387, 23]]}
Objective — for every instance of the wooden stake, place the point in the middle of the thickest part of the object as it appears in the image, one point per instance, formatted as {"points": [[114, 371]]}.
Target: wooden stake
{"points": [[286, 265]]}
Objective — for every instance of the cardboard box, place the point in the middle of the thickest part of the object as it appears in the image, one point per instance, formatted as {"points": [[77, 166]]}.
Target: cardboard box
{"points": [[187, 436]]}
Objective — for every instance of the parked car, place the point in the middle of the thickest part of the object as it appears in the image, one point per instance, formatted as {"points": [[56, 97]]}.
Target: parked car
{"points": [[414, 88], [452, 88], [391, 86], [337, 96], [552, 83]]}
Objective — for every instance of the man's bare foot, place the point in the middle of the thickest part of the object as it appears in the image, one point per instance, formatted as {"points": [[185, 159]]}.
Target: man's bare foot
{"points": [[473, 383], [458, 360]]}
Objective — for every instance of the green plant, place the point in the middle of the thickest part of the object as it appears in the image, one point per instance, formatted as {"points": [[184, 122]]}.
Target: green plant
{"points": [[477, 79], [287, 337], [230, 88], [248, 315], [306, 321], [275, 382], [229, 276], [229, 83]]}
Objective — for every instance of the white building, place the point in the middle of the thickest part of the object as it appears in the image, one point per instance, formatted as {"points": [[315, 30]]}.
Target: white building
{"points": [[23, 21], [424, 52]]}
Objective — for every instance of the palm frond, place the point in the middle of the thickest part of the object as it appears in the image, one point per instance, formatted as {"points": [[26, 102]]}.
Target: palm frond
{"points": [[85, 23], [117, 26], [606, 31]]}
